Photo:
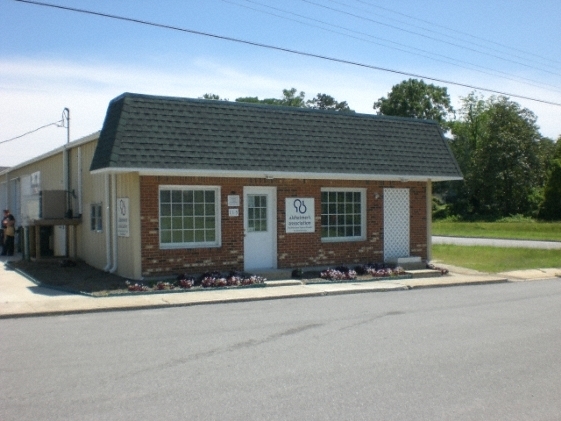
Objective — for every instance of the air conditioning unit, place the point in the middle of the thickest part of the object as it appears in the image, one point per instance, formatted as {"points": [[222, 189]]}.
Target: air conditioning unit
{"points": [[52, 204]]}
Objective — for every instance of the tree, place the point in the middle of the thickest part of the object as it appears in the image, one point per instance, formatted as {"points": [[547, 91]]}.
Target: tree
{"points": [[213, 97], [496, 143], [414, 98], [551, 206], [291, 98], [327, 102]]}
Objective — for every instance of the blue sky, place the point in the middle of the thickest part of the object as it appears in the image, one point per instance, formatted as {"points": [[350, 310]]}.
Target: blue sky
{"points": [[51, 58]]}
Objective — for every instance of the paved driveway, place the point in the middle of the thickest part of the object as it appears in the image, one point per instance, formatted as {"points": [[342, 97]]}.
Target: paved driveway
{"points": [[470, 241]]}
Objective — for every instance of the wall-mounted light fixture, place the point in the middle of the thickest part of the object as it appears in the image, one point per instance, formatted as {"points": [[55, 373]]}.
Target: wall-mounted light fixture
{"points": [[376, 195]]}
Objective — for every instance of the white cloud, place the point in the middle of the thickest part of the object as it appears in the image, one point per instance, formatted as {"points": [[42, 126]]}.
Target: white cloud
{"points": [[34, 93]]}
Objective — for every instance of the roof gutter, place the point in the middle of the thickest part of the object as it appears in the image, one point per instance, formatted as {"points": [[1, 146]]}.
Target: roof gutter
{"points": [[276, 174]]}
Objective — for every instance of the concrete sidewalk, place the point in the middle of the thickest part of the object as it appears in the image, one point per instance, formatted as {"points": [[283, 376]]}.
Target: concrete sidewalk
{"points": [[20, 297]]}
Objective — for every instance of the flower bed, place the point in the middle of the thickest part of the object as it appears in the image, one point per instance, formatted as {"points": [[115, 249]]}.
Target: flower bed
{"points": [[208, 280], [361, 273]]}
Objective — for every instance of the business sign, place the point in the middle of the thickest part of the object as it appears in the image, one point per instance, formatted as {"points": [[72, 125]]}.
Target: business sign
{"points": [[35, 182], [300, 214], [123, 220], [233, 200]]}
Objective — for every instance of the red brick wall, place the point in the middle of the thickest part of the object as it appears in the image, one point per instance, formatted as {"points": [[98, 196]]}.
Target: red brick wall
{"points": [[293, 250]]}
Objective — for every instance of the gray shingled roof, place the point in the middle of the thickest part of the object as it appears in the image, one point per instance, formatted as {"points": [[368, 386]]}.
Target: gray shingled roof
{"points": [[144, 132]]}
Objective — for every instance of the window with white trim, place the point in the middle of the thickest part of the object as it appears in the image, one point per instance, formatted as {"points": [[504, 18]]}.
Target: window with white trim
{"points": [[96, 222], [189, 216], [343, 214]]}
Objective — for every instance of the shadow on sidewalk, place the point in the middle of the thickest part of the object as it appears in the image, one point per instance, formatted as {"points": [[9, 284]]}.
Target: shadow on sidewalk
{"points": [[81, 277]]}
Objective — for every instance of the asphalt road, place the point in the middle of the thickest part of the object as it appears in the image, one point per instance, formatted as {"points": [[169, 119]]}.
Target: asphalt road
{"points": [[463, 353], [495, 242]]}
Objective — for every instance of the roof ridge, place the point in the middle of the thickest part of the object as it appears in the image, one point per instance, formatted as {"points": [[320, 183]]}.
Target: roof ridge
{"points": [[276, 108]]}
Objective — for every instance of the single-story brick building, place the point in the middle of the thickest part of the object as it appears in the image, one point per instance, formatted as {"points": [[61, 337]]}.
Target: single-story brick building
{"points": [[188, 185]]}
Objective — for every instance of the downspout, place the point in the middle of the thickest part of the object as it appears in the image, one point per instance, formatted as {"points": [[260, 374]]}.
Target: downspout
{"points": [[80, 206], [66, 178], [114, 221], [66, 162], [107, 230], [429, 220]]}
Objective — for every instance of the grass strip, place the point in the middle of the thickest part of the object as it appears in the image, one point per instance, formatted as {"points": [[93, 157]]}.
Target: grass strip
{"points": [[496, 259], [546, 231]]}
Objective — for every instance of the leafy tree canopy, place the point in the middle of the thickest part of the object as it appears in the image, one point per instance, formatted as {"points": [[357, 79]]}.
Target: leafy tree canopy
{"points": [[550, 208], [212, 96], [415, 99], [498, 146], [327, 102], [293, 98]]}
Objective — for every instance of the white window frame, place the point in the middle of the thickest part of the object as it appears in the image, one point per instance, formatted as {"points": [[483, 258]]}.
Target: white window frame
{"points": [[363, 227], [96, 217], [217, 218]]}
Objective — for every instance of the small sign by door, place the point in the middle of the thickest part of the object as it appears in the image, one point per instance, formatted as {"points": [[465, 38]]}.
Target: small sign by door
{"points": [[123, 220]]}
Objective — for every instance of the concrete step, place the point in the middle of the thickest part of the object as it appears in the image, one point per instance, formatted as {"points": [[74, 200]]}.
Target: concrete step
{"points": [[424, 273]]}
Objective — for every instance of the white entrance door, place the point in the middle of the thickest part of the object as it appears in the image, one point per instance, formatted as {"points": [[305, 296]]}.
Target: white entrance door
{"points": [[260, 228], [396, 223], [59, 240]]}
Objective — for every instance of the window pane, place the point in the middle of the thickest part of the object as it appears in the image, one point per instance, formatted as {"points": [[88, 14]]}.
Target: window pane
{"points": [[165, 236], [177, 223], [176, 196], [188, 196], [209, 196], [209, 209], [165, 196], [199, 236], [199, 196], [176, 209], [165, 223], [177, 236], [165, 210], [188, 223]]}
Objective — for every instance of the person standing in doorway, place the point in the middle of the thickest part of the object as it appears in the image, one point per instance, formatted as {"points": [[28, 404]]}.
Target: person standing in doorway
{"points": [[9, 228]]}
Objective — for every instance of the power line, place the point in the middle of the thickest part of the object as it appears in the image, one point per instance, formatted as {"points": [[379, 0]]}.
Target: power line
{"points": [[460, 32], [283, 49], [410, 50], [440, 33], [424, 36], [56, 123]]}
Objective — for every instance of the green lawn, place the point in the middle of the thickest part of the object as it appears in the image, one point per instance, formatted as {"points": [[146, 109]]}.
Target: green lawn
{"points": [[550, 231], [496, 259]]}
